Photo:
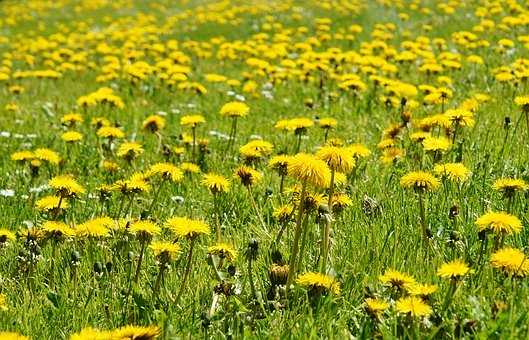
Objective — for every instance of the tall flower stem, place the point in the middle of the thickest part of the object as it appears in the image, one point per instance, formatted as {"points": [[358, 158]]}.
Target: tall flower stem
{"points": [[298, 144], [217, 218], [254, 206], [327, 230], [297, 234], [303, 240], [140, 259], [450, 294], [158, 282], [423, 217], [193, 147], [187, 270], [156, 194]]}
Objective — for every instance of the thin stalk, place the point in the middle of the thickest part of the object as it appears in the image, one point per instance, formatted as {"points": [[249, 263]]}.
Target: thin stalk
{"points": [[140, 260], [156, 194], [158, 282], [254, 205], [297, 234], [187, 271], [423, 217], [193, 131], [303, 240], [327, 230]]}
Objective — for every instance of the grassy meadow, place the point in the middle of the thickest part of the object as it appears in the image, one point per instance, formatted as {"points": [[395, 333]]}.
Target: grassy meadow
{"points": [[264, 169]]}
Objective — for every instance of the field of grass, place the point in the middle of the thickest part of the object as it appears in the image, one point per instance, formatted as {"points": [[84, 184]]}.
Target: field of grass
{"points": [[264, 169]]}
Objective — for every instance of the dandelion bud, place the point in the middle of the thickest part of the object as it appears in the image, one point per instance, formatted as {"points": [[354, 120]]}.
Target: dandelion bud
{"points": [[98, 268], [75, 257], [454, 212], [232, 270], [278, 274], [507, 122], [109, 267], [252, 250]]}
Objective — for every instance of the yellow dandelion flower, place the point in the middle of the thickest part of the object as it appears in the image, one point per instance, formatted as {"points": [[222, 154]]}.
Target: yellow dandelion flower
{"points": [[248, 176], [50, 202], [307, 168], [47, 155], [414, 306], [319, 283], [188, 228], [192, 120], [144, 228], [454, 171], [168, 250], [72, 136], [154, 123], [167, 171], [508, 186], [337, 158], [499, 222], [419, 180], [394, 278], [223, 250], [110, 132], [22, 156], [436, 144], [66, 186], [511, 261], [453, 270], [129, 150], [57, 229], [216, 183], [376, 306], [420, 289], [135, 332], [234, 109]]}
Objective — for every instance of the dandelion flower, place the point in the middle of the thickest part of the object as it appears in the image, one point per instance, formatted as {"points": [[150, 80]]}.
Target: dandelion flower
{"points": [[187, 228], [453, 270], [499, 222], [66, 186], [454, 171], [167, 250], [511, 261], [337, 158], [248, 176], [376, 307], [144, 228], [308, 168], [508, 186], [319, 283], [216, 183], [396, 279], [192, 120], [223, 250], [419, 180], [234, 109], [413, 306], [51, 202]]}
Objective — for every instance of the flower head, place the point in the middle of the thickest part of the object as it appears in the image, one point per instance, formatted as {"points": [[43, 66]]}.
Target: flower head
{"points": [[337, 158], [499, 222], [223, 250], [154, 123], [508, 186], [192, 120], [167, 171], [453, 270], [66, 186], [376, 307], [308, 168], [397, 279], [419, 180], [144, 228], [234, 109], [319, 283], [164, 250], [216, 183], [248, 176], [454, 171], [414, 306], [187, 228], [511, 261]]}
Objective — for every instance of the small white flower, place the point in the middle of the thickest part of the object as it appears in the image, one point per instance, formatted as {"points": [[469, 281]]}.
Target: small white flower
{"points": [[7, 192]]}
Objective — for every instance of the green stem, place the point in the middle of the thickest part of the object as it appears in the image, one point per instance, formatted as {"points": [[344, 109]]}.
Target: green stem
{"points": [[327, 230], [187, 271], [140, 260], [297, 234]]}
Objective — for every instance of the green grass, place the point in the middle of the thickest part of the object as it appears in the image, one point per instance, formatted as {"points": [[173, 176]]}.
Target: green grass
{"points": [[363, 245]]}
